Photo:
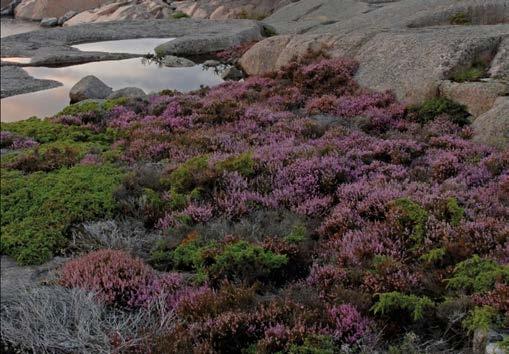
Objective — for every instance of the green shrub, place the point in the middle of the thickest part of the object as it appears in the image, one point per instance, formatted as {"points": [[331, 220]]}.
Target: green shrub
{"points": [[37, 209], [92, 106], [480, 318], [454, 212], [195, 176], [477, 275], [236, 261], [412, 216], [298, 234], [474, 73], [392, 301], [460, 18], [45, 131], [242, 260], [52, 156], [80, 107], [433, 255], [435, 107], [318, 344], [179, 14], [195, 172], [243, 164]]}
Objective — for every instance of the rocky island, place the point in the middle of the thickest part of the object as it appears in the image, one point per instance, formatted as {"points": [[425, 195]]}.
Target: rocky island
{"points": [[255, 176]]}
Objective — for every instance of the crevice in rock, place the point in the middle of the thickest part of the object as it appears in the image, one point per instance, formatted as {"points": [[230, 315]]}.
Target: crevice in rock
{"points": [[475, 63]]}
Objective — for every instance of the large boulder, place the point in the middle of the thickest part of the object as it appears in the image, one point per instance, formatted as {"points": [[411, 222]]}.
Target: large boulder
{"points": [[39, 9], [123, 10], [409, 46], [492, 128], [90, 87]]}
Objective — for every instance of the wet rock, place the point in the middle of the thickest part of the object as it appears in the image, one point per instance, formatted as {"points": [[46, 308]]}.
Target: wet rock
{"points": [[232, 73], [67, 16], [176, 62], [211, 63], [492, 128], [478, 97], [7, 7], [49, 22], [90, 87], [132, 92]]}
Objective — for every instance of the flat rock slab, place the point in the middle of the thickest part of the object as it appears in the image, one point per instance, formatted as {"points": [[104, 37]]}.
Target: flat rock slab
{"points": [[16, 81], [53, 46]]}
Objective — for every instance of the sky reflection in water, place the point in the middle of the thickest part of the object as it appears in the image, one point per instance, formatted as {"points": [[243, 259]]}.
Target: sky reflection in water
{"points": [[116, 74]]}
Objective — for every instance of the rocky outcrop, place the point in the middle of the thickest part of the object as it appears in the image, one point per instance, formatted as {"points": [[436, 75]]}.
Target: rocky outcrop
{"points": [[223, 9], [39, 9], [478, 97], [492, 128], [398, 44], [123, 10], [90, 87]]}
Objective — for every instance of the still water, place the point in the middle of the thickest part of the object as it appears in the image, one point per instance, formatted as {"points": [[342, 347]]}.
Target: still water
{"points": [[116, 74], [132, 46]]}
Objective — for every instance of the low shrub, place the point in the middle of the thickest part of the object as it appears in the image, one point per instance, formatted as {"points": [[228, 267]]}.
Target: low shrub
{"points": [[238, 261], [53, 319], [477, 275], [38, 209], [433, 108], [179, 14], [477, 71], [117, 278], [393, 301]]}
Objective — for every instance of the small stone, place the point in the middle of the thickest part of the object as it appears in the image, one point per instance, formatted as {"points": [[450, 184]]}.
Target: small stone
{"points": [[176, 62], [89, 87], [49, 22], [67, 16], [132, 92], [232, 73], [211, 63]]}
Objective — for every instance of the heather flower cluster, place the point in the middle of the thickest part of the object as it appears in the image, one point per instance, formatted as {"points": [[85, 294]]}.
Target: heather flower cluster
{"points": [[377, 222]]}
